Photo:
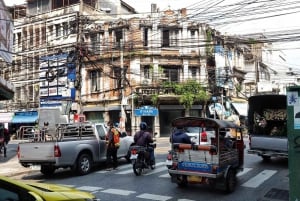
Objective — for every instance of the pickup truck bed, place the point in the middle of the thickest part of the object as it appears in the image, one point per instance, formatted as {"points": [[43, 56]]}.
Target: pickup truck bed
{"points": [[268, 146]]}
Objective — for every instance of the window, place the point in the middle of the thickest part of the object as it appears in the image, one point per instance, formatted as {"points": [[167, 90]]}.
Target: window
{"points": [[65, 28], [95, 43], [30, 37], [117, 76], [57, 30], [95, 76], [146, 72], [145, 37], [193, 33], [165, 38], [170, 38], [171, 73], [174, 38], [119, 37], [193, 72]]}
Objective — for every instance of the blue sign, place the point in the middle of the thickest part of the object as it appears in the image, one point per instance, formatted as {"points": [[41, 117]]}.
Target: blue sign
{"points": [[194, 166], [146, 111]]}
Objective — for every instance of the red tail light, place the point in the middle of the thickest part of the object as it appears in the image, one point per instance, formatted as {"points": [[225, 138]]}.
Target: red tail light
{"points": [[203, 137], [133, 151], [57, 152]]}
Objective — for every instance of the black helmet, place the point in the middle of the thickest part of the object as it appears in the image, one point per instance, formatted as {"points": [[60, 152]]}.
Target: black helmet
{"points": [[143, 125]]}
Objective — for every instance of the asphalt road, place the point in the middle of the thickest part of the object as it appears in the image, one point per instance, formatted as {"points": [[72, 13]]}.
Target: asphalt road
{"points": [[259, 181]]}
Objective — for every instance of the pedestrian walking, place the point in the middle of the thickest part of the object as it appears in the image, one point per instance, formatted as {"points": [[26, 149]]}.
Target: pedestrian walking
{"points": [[113, 143]]}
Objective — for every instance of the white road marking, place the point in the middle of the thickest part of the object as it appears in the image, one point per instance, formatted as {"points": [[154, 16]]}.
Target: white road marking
{"points": [[165, 175], [154, 197], [131, 171], [89, 188], [125, 171], [254, 182], [245, 170], [156, 170], [118, 191], [185, 200]]}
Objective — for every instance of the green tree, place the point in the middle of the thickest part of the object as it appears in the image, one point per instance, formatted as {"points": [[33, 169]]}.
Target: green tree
{"points": [[190, 92]]}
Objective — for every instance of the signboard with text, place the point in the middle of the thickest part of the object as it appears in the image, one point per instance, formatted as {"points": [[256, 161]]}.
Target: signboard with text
{"points": [[146, 111]]}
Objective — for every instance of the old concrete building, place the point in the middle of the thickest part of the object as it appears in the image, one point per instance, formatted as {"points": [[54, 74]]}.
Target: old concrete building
{"points": [[88, 59]]}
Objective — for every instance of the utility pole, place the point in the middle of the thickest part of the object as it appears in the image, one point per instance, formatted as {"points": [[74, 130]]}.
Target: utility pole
{"points": [[79, 60], [123, 114]]}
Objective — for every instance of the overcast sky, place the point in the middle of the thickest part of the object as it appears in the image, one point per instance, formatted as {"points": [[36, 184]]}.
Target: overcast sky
{"points": [[277, 15]]}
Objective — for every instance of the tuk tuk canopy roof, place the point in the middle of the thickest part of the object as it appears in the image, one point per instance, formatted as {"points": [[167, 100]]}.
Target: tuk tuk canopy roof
{"points": [[202, 122]]}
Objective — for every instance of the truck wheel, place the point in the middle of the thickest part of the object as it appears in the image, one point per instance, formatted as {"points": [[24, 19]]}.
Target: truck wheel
{"points": [[266, 158], [47, 170], [84, 164], [230, 181]]}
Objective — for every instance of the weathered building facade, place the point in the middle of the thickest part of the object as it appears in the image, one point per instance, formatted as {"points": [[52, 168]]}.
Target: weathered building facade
{"points": [[89, 59]]}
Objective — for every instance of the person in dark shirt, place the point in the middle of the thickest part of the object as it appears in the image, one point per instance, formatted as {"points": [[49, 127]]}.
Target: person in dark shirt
{"points": [[180, 136], [144, 138]]}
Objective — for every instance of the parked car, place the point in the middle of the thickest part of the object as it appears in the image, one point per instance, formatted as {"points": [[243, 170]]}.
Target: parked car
{"points": [[198, 136], [16, 190]]}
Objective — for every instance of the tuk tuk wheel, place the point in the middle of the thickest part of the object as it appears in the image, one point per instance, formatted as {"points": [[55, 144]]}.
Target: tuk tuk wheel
{"points": [[181, 181], [230, 181]]}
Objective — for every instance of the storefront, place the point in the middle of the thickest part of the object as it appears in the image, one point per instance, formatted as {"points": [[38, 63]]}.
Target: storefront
{"points": [[27, 117]]}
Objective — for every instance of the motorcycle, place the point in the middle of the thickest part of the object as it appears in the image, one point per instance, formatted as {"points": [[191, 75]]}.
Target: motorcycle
{"points": [[140, 158]]}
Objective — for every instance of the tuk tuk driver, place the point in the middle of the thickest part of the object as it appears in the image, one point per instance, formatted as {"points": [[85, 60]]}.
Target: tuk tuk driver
{"points": [[180, 136]]}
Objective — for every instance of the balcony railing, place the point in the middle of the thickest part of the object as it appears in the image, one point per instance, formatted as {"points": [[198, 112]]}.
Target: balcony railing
{"points": [[152, 90]]}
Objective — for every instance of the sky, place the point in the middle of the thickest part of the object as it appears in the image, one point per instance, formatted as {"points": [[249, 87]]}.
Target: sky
{"points": [[237, 17]]}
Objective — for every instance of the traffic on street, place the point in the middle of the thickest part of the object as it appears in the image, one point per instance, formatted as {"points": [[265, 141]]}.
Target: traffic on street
{"points": [[259, 180]]}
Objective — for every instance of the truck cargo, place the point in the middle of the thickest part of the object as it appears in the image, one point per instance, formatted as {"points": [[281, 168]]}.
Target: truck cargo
{"points": [[267, 126]]}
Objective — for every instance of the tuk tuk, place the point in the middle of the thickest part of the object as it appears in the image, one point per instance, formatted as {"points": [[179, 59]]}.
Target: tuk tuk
{"points": [[216, 162]]}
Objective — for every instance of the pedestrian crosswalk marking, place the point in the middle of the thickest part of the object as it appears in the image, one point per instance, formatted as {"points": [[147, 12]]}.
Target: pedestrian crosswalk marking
{"points": [[254, 182], [154, 197], [131, 171], [245, 170], [89, 188], [156, 170], [165, 175], [118, 191], [125, 172]]}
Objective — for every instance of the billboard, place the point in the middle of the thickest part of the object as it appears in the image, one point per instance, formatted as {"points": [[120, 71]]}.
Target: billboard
{"points": [[6, 33]]}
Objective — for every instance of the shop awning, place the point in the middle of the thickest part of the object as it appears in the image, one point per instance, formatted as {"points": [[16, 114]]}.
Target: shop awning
{"points": [[241, 108], [6, 117], [25, 117]]}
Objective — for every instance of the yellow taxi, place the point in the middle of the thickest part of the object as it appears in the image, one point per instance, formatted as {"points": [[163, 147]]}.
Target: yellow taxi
{"points": [[19, 190]]}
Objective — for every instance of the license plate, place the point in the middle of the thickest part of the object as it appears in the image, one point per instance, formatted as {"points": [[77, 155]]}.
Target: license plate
{"points": [[169, 162], [35, 167], [194, 179], [132, 157]]}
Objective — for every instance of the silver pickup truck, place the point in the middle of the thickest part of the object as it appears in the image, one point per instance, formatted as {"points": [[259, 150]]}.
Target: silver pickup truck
{"points": [[267, 121], [78, 146]]}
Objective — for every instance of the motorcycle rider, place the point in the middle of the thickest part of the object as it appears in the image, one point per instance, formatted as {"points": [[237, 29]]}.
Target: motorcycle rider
{"points": [[144, 138]]}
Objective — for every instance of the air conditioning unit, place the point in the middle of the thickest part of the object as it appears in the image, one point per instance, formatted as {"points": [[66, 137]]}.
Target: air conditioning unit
{"points": [[146, 81]]}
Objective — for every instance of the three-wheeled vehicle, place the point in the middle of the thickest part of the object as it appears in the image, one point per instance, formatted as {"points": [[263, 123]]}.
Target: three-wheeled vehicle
{"points": [[215, 163]]}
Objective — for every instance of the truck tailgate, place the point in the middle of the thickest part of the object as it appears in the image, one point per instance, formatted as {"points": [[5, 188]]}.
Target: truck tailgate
{"points": [[269, 143], [36, 152]]}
